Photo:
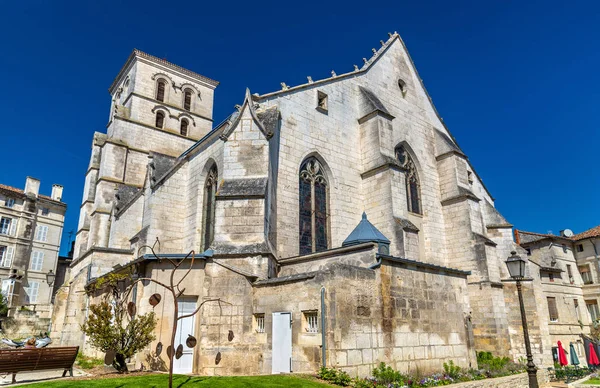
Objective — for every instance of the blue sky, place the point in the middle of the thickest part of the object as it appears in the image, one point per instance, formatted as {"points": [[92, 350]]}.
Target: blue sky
{"points": [[517, 84]]}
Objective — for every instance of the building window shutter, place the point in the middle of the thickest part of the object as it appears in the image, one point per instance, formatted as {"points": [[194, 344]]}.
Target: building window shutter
{"points": [[552, 310], [32, 292], [8, 257], [13, 227], [37, 261]]}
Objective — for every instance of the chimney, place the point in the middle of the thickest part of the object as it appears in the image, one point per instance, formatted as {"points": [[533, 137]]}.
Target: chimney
{"points": [[57, 192], [32, 186]]}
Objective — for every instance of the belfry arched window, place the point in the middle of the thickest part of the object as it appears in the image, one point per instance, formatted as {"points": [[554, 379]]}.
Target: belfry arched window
{"points": [[210, 191], [160, 119], [187, 99], [413, 185], [184, 127], [160, 90], [313, 207]]}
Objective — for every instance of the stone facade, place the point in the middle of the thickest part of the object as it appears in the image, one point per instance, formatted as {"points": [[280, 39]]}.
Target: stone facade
{"points": [[30, 233], [274, 192], [567, 275]]}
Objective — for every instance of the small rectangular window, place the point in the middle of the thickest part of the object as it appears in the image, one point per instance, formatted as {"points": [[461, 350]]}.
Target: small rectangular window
{"points": [[311, 321], [592, 307], [470, 177], [528, 251], [259, 323], [579, 247], [552, 310], [322, 101], [586, 275], [551, 277], [45, 211], [5, 225], [570, 273], [10, 202], [576, 305]]}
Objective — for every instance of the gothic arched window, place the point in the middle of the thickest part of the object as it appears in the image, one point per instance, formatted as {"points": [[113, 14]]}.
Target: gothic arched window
{"points": [[313, 207], [160, 119], [210, 191], [187, 99], [160, 90], [413, 186], [184, 127]]}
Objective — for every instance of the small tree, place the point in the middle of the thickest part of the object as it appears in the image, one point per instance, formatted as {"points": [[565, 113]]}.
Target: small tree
{"points": [[3, 306], [114, 329]]}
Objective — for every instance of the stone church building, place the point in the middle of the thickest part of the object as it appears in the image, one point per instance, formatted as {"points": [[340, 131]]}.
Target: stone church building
{"points": [[339, 220]]}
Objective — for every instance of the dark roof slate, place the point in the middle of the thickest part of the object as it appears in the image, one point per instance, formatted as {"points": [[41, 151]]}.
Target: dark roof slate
{"points": [[365, 232]]}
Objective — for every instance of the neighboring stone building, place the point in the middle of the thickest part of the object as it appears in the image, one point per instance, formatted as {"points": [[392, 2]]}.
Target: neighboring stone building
{"points": [[559, 288], [275, 197], [31, 227], [586, 246]]}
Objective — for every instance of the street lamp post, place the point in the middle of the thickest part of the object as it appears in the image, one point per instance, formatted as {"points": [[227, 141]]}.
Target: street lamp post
{"points": [[516, 268]]}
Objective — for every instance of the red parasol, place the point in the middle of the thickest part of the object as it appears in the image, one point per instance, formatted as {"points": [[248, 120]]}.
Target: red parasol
{"points": [[562, 357], [593, 358]]}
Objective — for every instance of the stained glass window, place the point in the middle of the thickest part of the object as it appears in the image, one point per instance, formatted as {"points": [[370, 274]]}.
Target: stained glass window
{"points": [[313, 208], [210, 190], [413, 186]]}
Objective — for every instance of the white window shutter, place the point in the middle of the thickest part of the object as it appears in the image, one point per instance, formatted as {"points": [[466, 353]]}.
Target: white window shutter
{"points": [[40, 261], [13, 227], [8, 257]]}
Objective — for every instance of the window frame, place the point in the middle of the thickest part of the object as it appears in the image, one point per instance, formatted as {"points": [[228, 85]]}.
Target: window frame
{"points": [[187, 105], [182, 129], [552, 308], [315, 196], [259, 323], [9, 202], [5, 225], [209, 207], [159, 82], [160, 115], [311, 322], [41, 233], [33, 292], [37, 261], [412, 182]]}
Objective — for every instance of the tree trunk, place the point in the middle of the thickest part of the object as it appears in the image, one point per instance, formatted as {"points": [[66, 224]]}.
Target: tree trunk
{"points": [[120, 363]]}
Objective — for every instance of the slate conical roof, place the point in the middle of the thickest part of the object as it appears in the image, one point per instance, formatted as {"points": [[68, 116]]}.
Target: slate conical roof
{"points": [[365, 232]]}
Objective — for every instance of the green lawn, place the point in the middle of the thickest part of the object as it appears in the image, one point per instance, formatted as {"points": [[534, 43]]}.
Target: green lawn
{"points": [[161, 381], [593, 380]]}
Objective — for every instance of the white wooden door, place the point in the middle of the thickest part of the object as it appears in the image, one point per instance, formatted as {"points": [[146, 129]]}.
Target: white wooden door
{"points": [[185, 327], [282, 343]]}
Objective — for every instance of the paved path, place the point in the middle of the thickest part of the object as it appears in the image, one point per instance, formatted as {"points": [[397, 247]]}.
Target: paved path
{"points": [[45, 375]]}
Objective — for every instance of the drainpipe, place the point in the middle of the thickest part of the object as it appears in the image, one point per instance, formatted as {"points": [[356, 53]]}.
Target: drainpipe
{"points": [[323, 326]]}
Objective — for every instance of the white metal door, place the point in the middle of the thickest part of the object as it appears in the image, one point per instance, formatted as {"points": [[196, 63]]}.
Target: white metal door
{"points": [[185, 327], [282, 343]]}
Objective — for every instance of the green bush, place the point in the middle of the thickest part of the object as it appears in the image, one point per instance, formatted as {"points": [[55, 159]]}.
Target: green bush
{"points": [[3, 306], [335, 376], [452, 370], [385, 375]]}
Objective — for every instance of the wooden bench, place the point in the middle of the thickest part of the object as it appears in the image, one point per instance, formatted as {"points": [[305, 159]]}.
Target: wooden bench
{"points": [[28, 360]]}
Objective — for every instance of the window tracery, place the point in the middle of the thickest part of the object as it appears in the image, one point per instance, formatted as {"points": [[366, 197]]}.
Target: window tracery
{"points": [[313, 207], [210, 191], [413, 185]]}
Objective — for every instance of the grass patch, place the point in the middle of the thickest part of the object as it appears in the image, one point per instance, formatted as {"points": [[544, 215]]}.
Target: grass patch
{"points": [[85, 362], [593, 380], [179, 381]]}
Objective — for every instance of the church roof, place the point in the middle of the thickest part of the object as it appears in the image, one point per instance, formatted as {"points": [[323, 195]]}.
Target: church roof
{"points": [[365, 231]]}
